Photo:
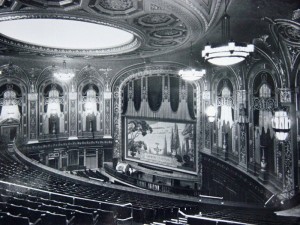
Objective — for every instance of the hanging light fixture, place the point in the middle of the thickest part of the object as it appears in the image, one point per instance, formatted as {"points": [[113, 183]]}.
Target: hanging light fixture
{"points": [[64, 74], [281, 124], [211, 113], [230, 53], [191, 74]]}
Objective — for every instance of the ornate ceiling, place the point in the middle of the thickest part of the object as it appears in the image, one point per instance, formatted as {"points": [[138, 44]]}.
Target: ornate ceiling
{"points": [[159, 26]]}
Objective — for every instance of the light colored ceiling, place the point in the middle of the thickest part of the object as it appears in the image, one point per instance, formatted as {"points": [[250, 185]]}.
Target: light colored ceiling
{"points": [[160, 26]]}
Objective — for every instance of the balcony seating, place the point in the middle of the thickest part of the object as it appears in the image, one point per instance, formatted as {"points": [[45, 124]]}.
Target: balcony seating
{"points": [[55, 199], [7, 218], [54, 219]]}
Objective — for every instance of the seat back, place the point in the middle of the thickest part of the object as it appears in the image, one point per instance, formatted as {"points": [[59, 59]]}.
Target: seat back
{"points": [[83, 218], [106, 217], [12, 219], [54, 219]]}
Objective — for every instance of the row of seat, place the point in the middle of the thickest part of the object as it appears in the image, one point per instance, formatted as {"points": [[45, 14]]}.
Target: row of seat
{"points": [[145, 208], [33, 207], [58, 193]]}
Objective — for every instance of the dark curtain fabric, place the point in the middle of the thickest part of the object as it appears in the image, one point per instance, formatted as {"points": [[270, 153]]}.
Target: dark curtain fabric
{"points": [[154, 92], [190, 100], [125, 99], [137, 94], [174, 93]]}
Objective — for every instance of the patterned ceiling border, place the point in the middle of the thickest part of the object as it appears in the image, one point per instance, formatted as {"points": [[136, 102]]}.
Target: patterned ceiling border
{"points": [[159, 26]]}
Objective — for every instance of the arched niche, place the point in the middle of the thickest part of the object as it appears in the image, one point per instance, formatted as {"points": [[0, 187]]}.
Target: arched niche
{"points": [[16, 78], [263, 85], [225, 131], [10, 111], [53, 109], [90, 108]]}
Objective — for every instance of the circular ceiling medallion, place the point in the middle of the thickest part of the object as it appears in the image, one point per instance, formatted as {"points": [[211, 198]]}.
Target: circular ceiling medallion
{"points": [[58, 35]]}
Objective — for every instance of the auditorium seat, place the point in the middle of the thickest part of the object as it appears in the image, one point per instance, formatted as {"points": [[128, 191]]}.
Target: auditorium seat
{"points": [[7, 219], [55, 219], [72, 200], [107, 217]]}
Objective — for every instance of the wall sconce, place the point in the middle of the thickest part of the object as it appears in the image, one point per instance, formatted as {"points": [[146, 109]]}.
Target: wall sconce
{"points": [[211, 113], [281, 124]]}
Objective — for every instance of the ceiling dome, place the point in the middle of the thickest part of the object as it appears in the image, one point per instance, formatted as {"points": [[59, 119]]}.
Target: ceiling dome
{"points": [[66, 34]]}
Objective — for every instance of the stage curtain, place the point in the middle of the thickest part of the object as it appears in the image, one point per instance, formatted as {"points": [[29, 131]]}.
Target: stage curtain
{"points": [[154, 92]]}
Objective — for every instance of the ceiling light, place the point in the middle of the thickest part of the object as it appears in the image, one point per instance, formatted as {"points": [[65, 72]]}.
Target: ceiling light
{"points": [[227, 54], [64, 74], [191, 74]]}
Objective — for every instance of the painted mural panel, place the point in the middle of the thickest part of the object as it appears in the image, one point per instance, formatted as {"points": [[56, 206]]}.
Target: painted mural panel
{"points": [[161, 143]]}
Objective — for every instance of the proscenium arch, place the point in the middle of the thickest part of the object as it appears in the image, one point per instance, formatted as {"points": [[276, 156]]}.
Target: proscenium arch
{"points": [[138, 71]]}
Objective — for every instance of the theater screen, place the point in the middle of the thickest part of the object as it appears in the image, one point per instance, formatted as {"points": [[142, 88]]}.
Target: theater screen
{"points": [[165, 144]]}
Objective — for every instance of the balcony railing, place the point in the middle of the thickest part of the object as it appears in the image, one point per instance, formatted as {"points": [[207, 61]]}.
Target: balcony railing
{"points": [[150, 185]]}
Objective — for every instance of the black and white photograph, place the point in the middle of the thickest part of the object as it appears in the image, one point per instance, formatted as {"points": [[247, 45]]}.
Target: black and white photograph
{"points": [[149, 112]]}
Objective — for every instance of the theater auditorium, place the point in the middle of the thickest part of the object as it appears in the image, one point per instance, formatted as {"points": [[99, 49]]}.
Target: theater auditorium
{"points": [[155, 112]]}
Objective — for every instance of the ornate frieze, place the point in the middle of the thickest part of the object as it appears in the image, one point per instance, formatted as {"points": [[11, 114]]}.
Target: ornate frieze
{"points": [[225, 101], [33, 120], [289, 33], [267, 104], [157, 25], [285, 95], [288, 186], [33, 96]]}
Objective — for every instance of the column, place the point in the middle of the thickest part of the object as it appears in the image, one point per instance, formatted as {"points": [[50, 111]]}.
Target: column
{"points": [[289, 149], [84, 157], [33, 118], [97, 158], [107, 114], [243, 128], [73, 115], [224, 152]]}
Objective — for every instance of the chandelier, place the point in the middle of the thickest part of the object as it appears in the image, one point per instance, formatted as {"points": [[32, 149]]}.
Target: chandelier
{"points": [[191, 74], [228, 54], [281, 124], [64, 74]]}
